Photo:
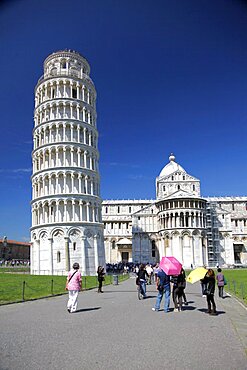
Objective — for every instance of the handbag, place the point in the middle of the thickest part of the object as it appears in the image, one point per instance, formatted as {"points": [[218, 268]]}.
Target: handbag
{"points": [[225, 281]]}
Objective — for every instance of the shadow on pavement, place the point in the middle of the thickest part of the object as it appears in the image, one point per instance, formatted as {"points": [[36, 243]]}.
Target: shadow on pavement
{"points": [[88, 309], [204, 310], [188, 308], [150, 296]]}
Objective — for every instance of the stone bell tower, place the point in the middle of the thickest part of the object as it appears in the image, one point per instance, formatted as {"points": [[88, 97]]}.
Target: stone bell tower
{"points": [[66, 205]]}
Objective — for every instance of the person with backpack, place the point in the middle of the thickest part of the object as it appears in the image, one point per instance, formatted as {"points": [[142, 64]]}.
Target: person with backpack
{"points": [[141, 279], [163, 287], [220, 282], [73, 285]]}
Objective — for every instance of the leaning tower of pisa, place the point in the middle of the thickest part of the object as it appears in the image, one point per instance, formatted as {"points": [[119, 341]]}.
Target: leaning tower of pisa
{"points": [[66, 204]]}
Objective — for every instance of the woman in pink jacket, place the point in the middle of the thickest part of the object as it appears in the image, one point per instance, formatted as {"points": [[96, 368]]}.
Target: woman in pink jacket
{"points": [[73, 285]]}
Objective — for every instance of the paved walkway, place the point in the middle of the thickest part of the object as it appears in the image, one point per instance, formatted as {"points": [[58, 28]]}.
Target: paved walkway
{"points": [[116, 331]]}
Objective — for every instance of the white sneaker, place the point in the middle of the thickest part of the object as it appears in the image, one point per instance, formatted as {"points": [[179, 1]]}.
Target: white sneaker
{"points": [[154, 309], [175, 309], [204, 296]]}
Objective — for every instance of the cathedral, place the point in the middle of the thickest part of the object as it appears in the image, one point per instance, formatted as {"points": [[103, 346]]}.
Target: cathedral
{"points": [[179, 222]]}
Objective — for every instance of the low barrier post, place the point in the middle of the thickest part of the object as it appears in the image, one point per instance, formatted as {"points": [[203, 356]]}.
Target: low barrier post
{"points": [[52, 293], [23, 291]]}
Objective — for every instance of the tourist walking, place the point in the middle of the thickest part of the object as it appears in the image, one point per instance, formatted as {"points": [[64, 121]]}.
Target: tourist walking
{"points": [[220, 282], [209, 280], [163, 287], [156, 270], [73, 285], [142, 275], [101, 278], [149, 270]]}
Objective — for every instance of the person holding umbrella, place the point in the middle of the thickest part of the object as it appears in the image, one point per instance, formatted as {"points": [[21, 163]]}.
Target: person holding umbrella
{"points": [[168, 266], [163, 287]]}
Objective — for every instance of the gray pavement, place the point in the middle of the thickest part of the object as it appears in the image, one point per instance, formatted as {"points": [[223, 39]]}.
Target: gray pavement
{"points": [[116, 331]]}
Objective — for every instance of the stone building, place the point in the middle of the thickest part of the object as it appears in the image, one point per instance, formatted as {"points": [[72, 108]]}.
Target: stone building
{"points": [[14, 250], [66, 205], [179, 222]]}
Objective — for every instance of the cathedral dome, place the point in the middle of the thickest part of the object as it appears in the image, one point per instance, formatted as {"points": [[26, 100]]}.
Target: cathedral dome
{"points": [[171, 167]]}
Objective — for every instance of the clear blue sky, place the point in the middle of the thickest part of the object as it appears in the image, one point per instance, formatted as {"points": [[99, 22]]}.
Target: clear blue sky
{"points": [[170, 77]]}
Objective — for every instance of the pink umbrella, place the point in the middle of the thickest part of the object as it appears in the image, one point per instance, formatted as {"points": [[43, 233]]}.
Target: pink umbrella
{"points": [[170, 265]]}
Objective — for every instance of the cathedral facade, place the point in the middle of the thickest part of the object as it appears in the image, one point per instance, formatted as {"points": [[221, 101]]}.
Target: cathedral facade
{"points": [[179, 222]]}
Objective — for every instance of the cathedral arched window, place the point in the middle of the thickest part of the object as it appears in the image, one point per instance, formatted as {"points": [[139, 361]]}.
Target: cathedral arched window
{"points": [[164, 188], [178, 187], [113, 244], [106, 209], [63, 64]]}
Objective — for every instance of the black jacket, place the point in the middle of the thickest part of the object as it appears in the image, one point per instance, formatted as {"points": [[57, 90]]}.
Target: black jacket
{"points": [[179, 281], [210, 281], [142, 274]]}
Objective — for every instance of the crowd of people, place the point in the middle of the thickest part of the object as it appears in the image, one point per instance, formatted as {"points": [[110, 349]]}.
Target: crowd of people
{"points": [[14, 263], [166, 285], [175, 285]]}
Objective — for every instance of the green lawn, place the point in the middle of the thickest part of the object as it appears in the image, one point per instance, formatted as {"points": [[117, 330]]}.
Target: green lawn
{"points": [[19, 287], [236, 283]]}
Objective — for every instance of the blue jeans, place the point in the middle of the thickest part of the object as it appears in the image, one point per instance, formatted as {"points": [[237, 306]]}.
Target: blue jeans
{"points": [[143, 287], [167, 291]]}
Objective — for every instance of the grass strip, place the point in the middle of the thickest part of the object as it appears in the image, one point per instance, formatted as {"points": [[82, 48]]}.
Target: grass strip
{"points": [[236, 283], [20, 287]]}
